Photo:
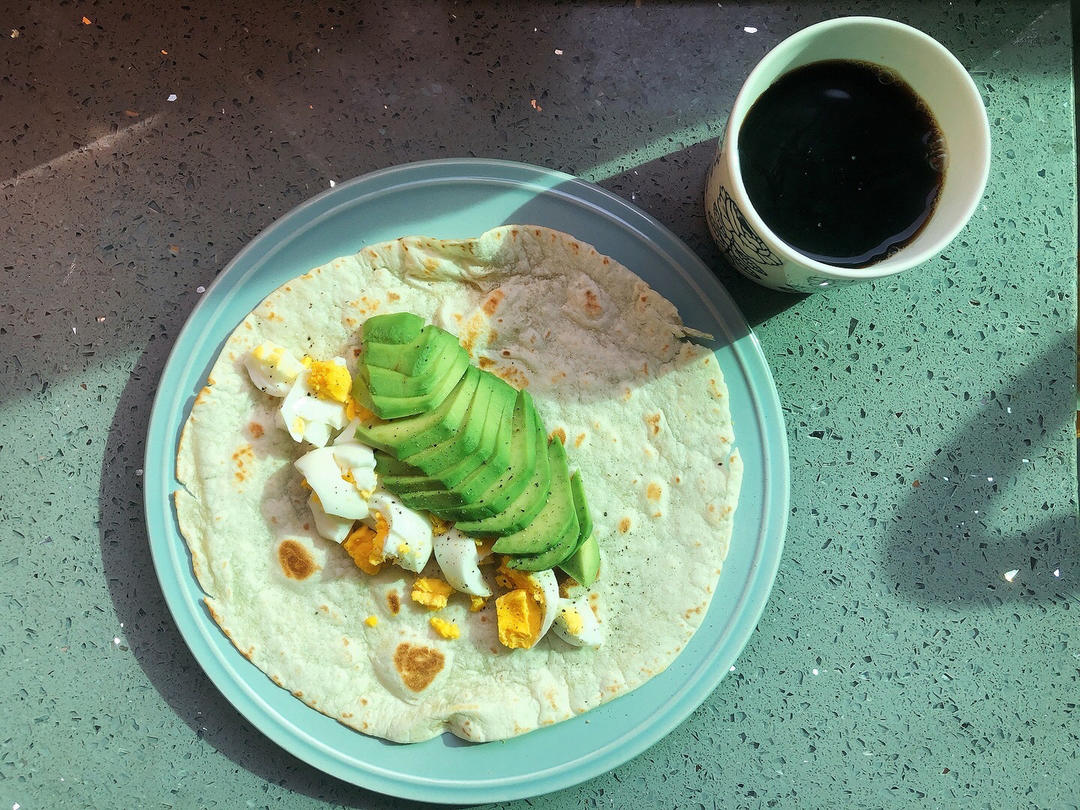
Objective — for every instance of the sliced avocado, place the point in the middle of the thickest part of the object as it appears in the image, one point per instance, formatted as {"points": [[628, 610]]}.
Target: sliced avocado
{"points": [[396, 327], [522, 509], [581, 505], [387, 465], [443, 377], [501, 408], [485, 414], [412, 359], [527, 441], [460, 502], [385, 382], [584, 564], [403, 437], [556, 526], [482, 492]]}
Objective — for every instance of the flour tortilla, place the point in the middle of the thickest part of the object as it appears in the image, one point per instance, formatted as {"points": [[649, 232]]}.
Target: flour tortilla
{"points": [[645, 417]]}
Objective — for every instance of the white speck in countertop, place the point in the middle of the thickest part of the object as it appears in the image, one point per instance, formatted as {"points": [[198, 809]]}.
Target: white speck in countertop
{"points": [[749, 29], [558, 51], [332, 184], [1011, 575], [200, 289], [172, 97]]}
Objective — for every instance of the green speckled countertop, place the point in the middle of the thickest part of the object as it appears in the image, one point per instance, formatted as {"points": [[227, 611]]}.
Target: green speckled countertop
{"points": [[921, 646]]}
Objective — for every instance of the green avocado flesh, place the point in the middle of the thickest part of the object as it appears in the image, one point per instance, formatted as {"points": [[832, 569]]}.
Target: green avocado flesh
{"points": [[397, 327], [556, 525], [461, 443], [405, 436], [584, 564]]}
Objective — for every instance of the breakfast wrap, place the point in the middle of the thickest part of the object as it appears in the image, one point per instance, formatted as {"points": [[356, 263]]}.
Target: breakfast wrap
{"points": [[477, 486]]}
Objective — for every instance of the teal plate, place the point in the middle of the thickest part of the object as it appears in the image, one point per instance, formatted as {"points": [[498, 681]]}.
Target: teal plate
{"points": [[453, 199]]}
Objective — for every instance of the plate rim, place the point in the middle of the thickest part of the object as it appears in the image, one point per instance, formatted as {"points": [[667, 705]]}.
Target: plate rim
{"points": [[161, 441]]}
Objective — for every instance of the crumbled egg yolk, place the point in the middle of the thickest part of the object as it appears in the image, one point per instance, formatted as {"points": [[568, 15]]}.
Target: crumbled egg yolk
{"points": [[431, 592], [572, 620], [444, 628], [477, 603], [269, 354], [438, 525], [371, 620], [510, 579], [365, 544], [519, 617], [402, 549], [329, 380], [348, 476]]}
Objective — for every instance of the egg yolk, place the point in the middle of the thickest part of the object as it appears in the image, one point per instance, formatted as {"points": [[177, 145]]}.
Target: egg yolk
{"points": [[431, 592], [439, 526], [365, 545], [510, 579], [330, 381], [371, 620], [477, 603], [572, 621], [444, 628], [354, 410], [519, 618]]}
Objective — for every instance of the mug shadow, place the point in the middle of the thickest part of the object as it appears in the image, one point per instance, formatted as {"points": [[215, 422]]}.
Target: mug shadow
{"points": [[150, 632], [672, 190], [949, 541]]}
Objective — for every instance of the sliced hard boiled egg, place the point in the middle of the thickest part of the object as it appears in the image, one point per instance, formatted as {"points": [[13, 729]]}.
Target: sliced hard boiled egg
{"points": [[458, 556], [337, 494], [541, 586], [358, 461], [309, 417], [408, 541], [331, 527], [272, 368], [577, 624]]}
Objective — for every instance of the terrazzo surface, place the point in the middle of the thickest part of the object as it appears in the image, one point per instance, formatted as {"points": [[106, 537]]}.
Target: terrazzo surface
{"points": [[920, 647]]}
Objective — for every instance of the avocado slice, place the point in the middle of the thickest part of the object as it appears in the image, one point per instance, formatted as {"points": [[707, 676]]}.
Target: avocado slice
{"points": [[584, 564], [527, 504], [385, 382], [501, 408], [492, 487], [395, 327], [461, 501], [556, 527], [413, 359], [581, 506], [443, 378], [486, 414], [405, 436]]}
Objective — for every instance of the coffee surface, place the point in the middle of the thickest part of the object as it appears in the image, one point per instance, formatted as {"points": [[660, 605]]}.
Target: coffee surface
{"points": [[843, 161]]}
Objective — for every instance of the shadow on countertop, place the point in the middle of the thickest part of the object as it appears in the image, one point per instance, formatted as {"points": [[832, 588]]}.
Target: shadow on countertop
{"points": [[941, 550]]}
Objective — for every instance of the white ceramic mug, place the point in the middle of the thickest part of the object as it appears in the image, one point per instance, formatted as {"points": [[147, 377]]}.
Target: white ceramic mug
{"points": [[932, 72]]}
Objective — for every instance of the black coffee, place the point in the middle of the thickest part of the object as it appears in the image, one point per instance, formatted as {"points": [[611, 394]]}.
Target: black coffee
{"points": [[843, 161]]}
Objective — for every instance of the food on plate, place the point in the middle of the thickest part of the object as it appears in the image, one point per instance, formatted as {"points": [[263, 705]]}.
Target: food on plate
{"points": [[476, 486]]}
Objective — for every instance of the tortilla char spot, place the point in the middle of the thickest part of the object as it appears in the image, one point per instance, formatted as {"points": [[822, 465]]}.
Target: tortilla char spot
{"points": [[345, 640], [559, 433], [393, 601], [513, 376], [624, 525], [241, 457], [417, 665], [363, 701], [485, 362], [578, 441], [247, 325], [276, 680], [203, 394], [627, 393], [356, 352], [592, 305], [505, 352], [653, 491], [346, 715], [295, 560], [492, 301], [350, 321], [653, 421], [393, 296], [256, 430]]}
